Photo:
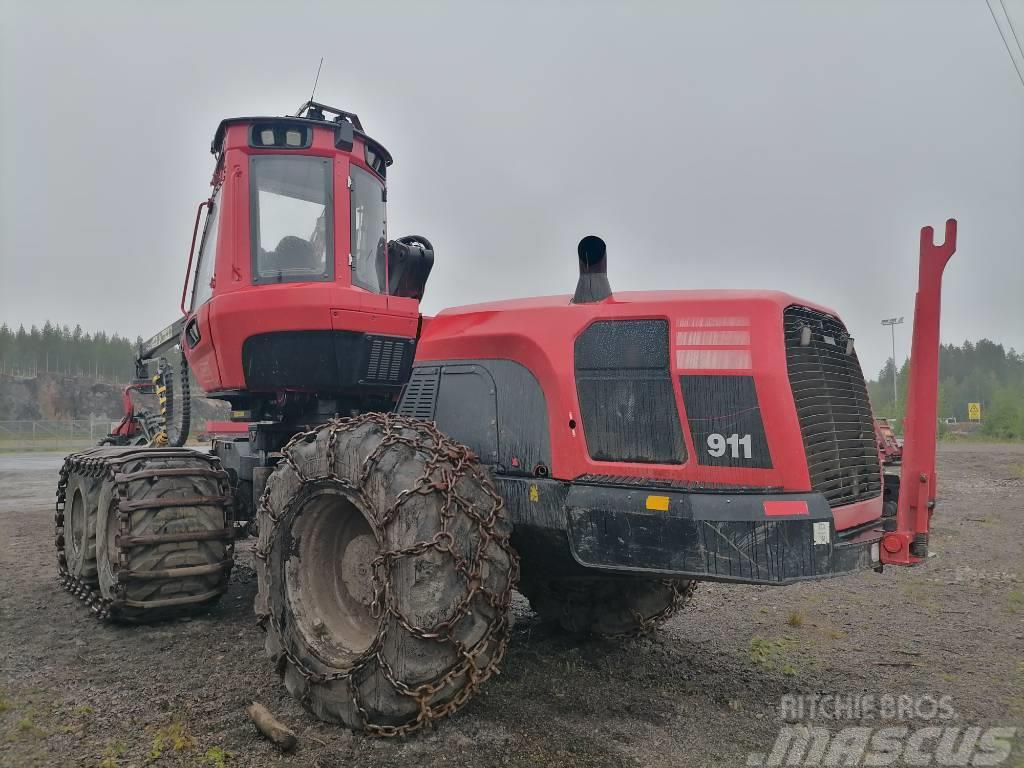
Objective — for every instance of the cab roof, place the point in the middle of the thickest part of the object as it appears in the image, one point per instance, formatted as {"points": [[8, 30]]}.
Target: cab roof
{"points": [[310, 113]]}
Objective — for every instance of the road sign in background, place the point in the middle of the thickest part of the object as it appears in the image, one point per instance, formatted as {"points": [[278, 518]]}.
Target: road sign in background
{"points": [[974, 411]]}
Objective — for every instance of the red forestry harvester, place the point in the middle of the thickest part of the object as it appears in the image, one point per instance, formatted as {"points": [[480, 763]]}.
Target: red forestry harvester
{"points": [[890, 450], [620, 447]]}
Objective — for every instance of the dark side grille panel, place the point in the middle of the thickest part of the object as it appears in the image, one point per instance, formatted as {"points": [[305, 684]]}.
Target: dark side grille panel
{"points": [[420, 395], [386, 358], [832, 406]]}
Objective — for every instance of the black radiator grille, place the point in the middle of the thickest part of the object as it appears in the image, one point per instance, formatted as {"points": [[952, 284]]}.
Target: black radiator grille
{"points": [[832, 406]]}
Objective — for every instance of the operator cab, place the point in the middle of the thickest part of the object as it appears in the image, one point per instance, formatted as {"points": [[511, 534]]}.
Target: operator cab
{"points": [[297, 294]]}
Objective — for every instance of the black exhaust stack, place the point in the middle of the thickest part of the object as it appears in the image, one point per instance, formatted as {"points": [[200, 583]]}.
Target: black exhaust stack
{"points": [[593, 283]]}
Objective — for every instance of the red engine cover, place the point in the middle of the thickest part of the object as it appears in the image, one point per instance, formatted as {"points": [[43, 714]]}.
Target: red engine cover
{"points": [[715, 333]]}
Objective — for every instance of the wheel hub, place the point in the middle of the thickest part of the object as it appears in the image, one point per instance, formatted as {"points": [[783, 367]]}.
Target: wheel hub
{"points": [[329, 578], [357, 567], [76, 522]]}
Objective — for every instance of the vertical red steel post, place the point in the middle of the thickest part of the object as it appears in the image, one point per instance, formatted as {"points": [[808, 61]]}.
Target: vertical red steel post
{"points": [[908, 544]]}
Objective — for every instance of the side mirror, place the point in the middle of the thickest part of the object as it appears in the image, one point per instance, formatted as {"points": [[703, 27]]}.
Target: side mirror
{"points": [[410, 260]]}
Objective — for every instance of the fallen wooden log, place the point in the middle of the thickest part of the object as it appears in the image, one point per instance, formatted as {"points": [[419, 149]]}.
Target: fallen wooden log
{"points": [[271, 727]]}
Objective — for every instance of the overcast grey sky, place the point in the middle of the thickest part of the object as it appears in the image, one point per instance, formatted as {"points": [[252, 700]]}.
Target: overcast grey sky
{"points": [[788, 145]]}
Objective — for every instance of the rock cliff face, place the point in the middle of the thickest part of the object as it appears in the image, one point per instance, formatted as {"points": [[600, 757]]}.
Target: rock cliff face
{"points": [[51, 396]]}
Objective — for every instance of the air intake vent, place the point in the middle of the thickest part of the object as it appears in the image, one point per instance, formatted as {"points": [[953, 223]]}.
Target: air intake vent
{"points": [[832, 406], [420, 394], [385, 362], [627, 404]]}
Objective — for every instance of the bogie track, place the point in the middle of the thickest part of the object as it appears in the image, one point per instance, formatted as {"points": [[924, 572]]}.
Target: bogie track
{"points": [[144, 534]]}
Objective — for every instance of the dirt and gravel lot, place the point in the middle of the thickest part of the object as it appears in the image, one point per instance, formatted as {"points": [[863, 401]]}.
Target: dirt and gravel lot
{"points": [[705, 690]]}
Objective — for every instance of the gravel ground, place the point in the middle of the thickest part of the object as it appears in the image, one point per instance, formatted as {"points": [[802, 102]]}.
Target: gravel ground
{"points": [[704, 690]]}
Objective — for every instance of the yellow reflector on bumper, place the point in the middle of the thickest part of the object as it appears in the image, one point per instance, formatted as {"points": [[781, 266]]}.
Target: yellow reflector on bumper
{"points": [[657, 503]]}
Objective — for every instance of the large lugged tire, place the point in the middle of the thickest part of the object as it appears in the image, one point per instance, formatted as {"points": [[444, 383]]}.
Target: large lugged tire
{"points": [[164, 533], [607, 607], [385, 573]]}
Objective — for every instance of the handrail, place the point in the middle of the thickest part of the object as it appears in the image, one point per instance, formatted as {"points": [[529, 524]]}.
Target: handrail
{"points": [[192, 251]]}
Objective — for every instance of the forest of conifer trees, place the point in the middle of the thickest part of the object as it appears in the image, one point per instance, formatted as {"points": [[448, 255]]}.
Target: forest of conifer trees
{"points": [[982, 372], [60, 349]]}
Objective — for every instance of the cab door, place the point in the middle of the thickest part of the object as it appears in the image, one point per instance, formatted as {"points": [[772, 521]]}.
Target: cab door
{"points": [[367, 259]]}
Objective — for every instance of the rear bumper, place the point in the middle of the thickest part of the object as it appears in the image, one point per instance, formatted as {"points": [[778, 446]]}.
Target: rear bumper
{"points": [[771, 538]]}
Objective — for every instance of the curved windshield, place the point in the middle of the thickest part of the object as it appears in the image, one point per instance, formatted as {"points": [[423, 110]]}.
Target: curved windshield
{"points": [[292, 219], [369, 231]]}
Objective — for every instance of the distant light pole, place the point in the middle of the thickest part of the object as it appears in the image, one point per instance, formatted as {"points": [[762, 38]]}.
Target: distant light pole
{"points": [[892, 322]]}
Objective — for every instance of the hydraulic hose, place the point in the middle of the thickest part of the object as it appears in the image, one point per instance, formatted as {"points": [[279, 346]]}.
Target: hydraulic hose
{"points": [[163, 382], [160, 382], [186, 405]]}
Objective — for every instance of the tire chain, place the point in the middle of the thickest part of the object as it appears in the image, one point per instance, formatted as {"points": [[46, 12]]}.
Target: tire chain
{"points": [[644, 625], [437, 447], [99, 463], [679, 599]]}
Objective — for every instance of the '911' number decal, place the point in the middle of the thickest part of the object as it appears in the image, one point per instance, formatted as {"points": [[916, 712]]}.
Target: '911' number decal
{"points": [[719, 444]]}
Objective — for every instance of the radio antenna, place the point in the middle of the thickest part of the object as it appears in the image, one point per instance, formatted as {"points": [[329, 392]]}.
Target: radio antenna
{"points": [[317, 80]]}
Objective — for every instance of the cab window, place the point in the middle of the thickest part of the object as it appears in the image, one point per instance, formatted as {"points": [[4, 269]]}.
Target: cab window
{"points": [[292, 219]]}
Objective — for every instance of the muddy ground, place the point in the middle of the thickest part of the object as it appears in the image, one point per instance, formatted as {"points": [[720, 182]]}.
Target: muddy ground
{"points": [[704, 690]]}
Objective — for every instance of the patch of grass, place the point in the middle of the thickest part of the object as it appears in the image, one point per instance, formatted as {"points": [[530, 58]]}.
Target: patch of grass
{"points": [[834, 634], [42, 445], [771, 654], [795, 619], [763, 652], [960, 437], [1015, 601], [174, 737], [83, 710], [4, 705], [112, 755], [1017, 471], [217, 757], [27, 725]]}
